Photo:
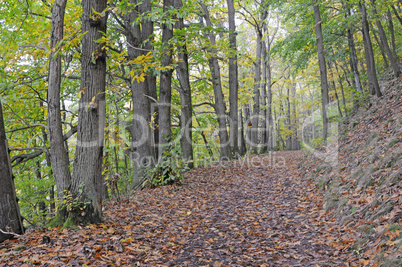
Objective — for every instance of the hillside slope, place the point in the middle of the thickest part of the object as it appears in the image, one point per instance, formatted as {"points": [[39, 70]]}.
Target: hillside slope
{"points": [[362, 187]]}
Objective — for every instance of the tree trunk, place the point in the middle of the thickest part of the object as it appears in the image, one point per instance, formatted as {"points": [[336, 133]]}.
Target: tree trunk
{"points": [[140, 130], [58, 153], [295, 140], [217, 86], [371, 70], [392, 32], [49, 164], [165, 87], [342, 89], [331, 71], [204, 138], [313, 124], [270, 127], [368, 61], [41, 204], [353, 55], [383, 37], [147, 26], [381, 45], [233, 81], [242, 142], [264, 129], [256, 92], [396, 14], [259, 26], [116, 138], [87, 179], [288, 120], [10, 218], [248, 125], [323, 69], [186, 121]]}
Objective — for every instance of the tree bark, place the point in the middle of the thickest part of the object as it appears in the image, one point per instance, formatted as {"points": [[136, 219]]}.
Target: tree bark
{"points": [[182, 71], [295, 139], [323, 68], [248, 125], [58, 153], [241, 142], [204, 138], [41, 204], [353, 55], [87, 179], [256, 92], [331, 71], [49, 164], [368, 62], [263, 141], [217, 86], [289, 139], [383, 37], [342, 89], [10, 218], [233, 80], [392, 32], [396, 14], [259, 26], [381, 45], [270, 126], [147, 27], [371, 69], [165, 87], [140, 130]]}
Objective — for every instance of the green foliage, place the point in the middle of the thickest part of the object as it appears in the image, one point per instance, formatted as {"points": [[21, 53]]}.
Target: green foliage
{"points": [[70, 208], [33, 193], [72, 204], [168, 170], [317, 142], [56, 221]]}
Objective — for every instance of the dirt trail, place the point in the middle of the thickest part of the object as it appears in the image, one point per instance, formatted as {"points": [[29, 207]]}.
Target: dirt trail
{"points": [[254, 212]]}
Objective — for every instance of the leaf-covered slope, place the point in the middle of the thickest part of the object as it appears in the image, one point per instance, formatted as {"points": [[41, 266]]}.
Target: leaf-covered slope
{"points": [[363, 191]]}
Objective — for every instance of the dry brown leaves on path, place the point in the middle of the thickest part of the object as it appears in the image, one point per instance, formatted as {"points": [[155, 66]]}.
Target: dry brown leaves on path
{"points": [[253, 212]]}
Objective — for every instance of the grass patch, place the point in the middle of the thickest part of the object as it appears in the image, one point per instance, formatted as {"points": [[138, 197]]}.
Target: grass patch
{"points": [[394, 227], [19, 248], [392, 143]]}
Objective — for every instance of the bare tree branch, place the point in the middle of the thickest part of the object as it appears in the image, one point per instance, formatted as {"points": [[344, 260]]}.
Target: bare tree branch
{"points": [[34, 46], [9, 233], [25, 157], [25, 148], [204, 103], [21, 158], [28, 127], [39, 15]]}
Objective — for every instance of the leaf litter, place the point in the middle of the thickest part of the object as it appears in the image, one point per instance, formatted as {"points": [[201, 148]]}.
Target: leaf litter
{"points": [[232, 214]]}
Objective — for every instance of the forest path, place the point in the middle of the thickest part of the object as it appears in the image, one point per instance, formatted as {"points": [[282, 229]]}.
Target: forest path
{"points": [[253, 212]]}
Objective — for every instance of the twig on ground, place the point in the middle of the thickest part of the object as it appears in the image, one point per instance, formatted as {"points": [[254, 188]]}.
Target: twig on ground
{"points": [[10, 233]]}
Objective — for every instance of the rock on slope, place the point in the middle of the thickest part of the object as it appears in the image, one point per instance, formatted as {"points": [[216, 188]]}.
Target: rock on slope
{"points": [[362, 187]]}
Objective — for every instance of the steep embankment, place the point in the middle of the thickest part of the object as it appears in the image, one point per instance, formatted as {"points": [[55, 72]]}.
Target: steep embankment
{"points": [[362, 187]]}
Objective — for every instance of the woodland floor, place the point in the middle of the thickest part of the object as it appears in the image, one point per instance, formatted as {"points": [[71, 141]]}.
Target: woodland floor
{"points": [[245, 213]]}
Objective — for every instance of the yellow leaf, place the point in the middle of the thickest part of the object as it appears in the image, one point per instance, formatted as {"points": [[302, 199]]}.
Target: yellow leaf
{"points": [[82, 92]]}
